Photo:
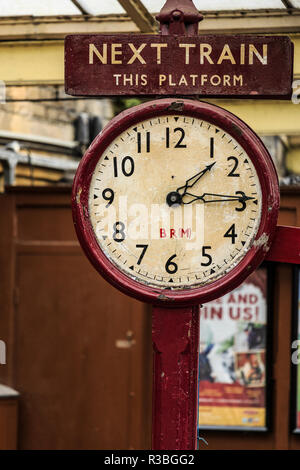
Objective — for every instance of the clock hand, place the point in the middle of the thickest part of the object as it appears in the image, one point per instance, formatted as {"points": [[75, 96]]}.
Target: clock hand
{"points": [[193, 180], [206, 197]]}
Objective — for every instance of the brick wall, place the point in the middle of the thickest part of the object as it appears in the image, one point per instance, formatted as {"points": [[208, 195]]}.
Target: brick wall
{"points": [[44, 111], [47, 118]]}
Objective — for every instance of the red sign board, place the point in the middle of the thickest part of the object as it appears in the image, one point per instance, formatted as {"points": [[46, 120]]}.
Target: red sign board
{"points": [[249, 66]]}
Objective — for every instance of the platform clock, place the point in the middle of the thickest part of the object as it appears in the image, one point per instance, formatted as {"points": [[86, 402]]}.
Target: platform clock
{"points": [[176, 202]]}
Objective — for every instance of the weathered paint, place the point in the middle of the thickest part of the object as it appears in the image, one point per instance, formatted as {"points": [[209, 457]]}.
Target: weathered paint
{"points": [[246, 139], [262, 242], [249, 66], [175, 362], [139, 201]]}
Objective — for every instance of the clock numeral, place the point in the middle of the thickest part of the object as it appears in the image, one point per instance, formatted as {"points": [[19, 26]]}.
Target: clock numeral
{"points": [[170, 266], [139, 142], [236, 163], [119, 228], [127, 166], [179, 144], [244, 205], [231, 234], [108, 195], [212, 148], [167, 137], [206, 255], [144, 249]]}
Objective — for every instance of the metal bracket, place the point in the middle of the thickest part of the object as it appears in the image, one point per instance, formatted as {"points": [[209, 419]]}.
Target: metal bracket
{"points": [[179, 17]]}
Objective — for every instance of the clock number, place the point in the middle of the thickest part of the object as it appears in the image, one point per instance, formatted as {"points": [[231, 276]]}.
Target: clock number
{"points": [[236, 163], [167, 137], [170, 266], [139, 142], [108, 195], [179, 143], [231, 234], [144, 249], [119, 228], [206, 255], [212, 141], [244, 205], [127, 169], [131, 166]]}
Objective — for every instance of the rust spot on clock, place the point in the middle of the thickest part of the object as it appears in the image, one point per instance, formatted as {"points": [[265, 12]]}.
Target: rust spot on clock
{"points": [[164, 297], [85, 211], [237, 129], [78, 195], [176, 106], [262, 242], [84, 208]]}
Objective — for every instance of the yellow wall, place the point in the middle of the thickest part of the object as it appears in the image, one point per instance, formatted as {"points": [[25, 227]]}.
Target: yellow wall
{"points": [[32, 62], [293, 161], [267, 117]]}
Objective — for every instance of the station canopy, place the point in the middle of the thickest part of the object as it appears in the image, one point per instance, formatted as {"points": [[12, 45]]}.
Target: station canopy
{"points": [[119, 7]]}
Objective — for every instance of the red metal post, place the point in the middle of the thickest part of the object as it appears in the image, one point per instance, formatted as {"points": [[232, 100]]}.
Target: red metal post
{"points": [[286, 245], [175, 335], [175, 331]]}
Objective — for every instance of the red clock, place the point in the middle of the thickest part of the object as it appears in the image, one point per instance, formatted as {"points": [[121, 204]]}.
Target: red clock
{"points": [[176, 202]]}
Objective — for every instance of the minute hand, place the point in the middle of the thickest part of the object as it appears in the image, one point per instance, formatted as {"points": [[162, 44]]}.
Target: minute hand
{"points": [[212, 197]]}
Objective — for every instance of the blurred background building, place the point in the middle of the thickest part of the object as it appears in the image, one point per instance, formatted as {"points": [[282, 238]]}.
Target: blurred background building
{"points": [[78, 354]]}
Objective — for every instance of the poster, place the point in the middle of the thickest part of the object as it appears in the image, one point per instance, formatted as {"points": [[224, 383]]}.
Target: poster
{"points": [[232, 359]]}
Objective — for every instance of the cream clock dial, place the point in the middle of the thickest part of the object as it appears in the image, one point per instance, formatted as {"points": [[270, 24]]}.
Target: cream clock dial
{"points": [[175, 202]]}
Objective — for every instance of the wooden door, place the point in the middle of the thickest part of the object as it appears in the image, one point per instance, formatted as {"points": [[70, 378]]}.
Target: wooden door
{"points": [[78, 350]]}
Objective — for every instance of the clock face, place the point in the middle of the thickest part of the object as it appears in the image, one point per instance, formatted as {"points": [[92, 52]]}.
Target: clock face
{"points": [[175, 202]]}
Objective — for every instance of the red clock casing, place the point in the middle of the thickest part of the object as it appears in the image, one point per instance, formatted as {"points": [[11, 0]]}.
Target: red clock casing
{"points": [[261, 160]]}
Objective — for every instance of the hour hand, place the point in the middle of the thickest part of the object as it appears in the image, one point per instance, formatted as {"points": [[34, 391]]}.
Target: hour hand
{"points": [[212, 197], [193, 180]]}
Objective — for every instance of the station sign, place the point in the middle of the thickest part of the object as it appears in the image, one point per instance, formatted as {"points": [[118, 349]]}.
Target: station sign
{"points": [[151, 65]]}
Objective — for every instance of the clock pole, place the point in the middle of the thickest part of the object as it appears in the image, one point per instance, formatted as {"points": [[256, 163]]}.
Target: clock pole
{"points": [[175, 336], [175, 331]]}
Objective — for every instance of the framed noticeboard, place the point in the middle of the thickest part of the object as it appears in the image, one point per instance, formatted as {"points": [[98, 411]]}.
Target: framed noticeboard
{"points": [[295, 354], [234, 385]]}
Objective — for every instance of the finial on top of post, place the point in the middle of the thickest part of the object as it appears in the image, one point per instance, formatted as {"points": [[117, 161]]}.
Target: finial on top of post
{"points": [[179, 17]]}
